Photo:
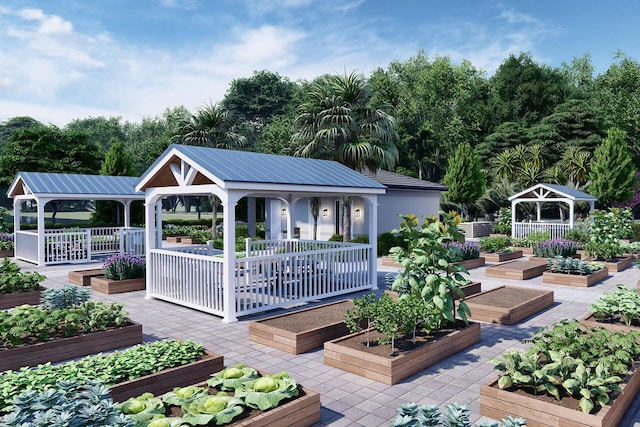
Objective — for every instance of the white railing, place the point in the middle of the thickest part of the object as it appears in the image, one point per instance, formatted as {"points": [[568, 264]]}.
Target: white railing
{"points": [[261, 282], [105, 240], [133, 241], [67, 246], [26, 246], [555, 230]]}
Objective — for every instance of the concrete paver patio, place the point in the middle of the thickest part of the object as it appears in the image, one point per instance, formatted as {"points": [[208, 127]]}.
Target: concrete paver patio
{"points": [[347, 399]]}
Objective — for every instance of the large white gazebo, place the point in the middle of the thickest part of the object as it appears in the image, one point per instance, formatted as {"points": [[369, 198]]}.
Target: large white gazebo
{"points": [[46, 247], [271, 273], [545, 193]]}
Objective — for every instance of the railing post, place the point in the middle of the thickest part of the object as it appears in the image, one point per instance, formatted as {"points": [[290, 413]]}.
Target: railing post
{"points": [[121, 233], [88, 244], [248, 246], [209, 247]]}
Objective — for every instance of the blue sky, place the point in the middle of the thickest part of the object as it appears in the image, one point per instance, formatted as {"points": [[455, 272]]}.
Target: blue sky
{"points": [[67, 59]]}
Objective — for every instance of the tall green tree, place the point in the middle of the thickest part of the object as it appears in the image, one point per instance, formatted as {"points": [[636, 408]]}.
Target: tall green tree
{"points": [[338, 121], [464, 180], [613, 174], [101, 131], [117, 162], [14, 124]]}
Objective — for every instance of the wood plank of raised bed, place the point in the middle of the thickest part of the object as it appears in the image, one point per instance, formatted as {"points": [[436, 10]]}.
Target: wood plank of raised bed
{"points": [[175, 239], [16, 299], [167, 379], [109, 286], [301, 341], [501, 256], [575, 279], [590, 320], [472, 263], [516, 270], [83, 277], [535, 300], [497, 404], [615, 266], [70, 348]]}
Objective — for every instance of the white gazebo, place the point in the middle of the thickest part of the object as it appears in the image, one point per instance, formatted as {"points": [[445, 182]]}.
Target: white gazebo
{"points": [[545, 193], [46, 247], [271, 273]]}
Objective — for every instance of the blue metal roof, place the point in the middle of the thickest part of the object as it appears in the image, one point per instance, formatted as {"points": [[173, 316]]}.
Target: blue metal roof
{"points": [[78, 185], [244, 166]]}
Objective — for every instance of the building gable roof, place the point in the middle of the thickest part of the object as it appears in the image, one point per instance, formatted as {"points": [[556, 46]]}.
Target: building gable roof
{"points": [[560, 190], [74, 186], [402, 182]]}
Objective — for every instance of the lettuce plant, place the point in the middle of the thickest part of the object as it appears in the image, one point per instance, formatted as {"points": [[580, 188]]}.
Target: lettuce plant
{"points": [[494, 244], [267, 391], [232, 377]]}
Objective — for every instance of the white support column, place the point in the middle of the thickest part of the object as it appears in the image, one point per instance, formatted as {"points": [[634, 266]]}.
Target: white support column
{"points": [[372, 224], [17, 210], [538, 216], [571, 214], [127, 213], [592, 206], [513, 217], [150, 240], [229, 202], [158, 220], [41, 242]]}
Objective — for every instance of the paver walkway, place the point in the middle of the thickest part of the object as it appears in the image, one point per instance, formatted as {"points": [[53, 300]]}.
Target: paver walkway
{"points": [[347, 399]]}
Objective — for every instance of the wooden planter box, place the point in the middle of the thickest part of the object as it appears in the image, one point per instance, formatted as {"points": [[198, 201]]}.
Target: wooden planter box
{"points": [[175, 239], [303, 411], [615, 266], [391, 370], [472, 263], [501, 256], [496, 404], [7, 254], [590, 320], [83, 277], [516, 270], [70, 348], [544, 260], [526, 250], [575, 279], [533, 301], [469, 289], [190, 241], [166, 380], [300, 342], [16, 299], [107, 286]]}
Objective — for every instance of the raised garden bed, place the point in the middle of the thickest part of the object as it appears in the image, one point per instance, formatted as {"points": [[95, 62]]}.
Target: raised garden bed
{"points": [[496, 404], [175, 239], [16, 299], [501, 256], [108, 286], [470, 288], [302, 330], [615, 265], [526, 250], [190, 241], [508, 304], [70, 348], [516, 270], [83, 277], [167, 379], [575, 279], [7, 254], [619, 325], [351, 354], [472, 263]]}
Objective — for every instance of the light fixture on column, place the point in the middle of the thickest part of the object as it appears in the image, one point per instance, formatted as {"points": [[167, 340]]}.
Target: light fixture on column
{"points": [[356, 213], [283, 212], [325, 212]]}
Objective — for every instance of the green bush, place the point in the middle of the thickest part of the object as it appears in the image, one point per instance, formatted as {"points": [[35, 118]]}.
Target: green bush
{"points": [[493, 244], [14, 280], [577, 235], [336, 238], [65, 297], [636, 231], [386, 241], [502, 224], [360, 239]]}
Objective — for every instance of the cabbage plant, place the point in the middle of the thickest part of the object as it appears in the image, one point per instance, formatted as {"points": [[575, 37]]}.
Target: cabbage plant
{"points": [[233, 377], [142, 409], [218, 408], [266, 392], [181, 396]]}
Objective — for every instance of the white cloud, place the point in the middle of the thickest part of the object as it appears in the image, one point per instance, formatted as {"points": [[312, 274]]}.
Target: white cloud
{"points": [[180, 4]]}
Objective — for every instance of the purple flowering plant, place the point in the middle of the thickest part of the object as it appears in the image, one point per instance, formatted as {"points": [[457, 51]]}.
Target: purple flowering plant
{"points": [[463, 251], [555, 247], [123, 267], [6, 241]]}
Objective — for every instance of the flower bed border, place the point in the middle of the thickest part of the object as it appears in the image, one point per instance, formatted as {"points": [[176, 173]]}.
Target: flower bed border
{"points": [[501, 256], [575, 279], [590, 320], [166, 380], [509, 315], [109, 286], [471, 263], [70, 348], [503, 271], [393, 370], [296, 342], [496, 404], [16, 299], [526, 250], [83, 277], [7, 254]]}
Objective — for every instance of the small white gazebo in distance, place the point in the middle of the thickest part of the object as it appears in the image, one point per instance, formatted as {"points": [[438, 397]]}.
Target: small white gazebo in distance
{"points": [[545, 193]]}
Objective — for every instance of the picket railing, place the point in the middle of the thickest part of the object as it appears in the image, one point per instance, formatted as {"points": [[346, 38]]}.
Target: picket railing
{"points": [[555, 230], [261, 282]]}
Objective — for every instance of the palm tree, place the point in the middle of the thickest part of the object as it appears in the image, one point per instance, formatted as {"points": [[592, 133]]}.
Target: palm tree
{"points": [[338, 122], [213, 126], [575, 163]]}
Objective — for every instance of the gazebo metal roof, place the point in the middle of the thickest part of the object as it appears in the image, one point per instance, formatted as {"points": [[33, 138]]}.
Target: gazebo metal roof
{"points": [[562, 191], [74, 186]]}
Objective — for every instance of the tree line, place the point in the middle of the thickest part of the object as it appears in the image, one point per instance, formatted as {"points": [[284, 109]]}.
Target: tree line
{"points": [[527, 123]]}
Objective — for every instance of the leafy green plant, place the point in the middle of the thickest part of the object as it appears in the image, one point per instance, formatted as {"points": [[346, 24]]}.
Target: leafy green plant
{"points": [[386, 241], [579, 235], [268, 391], [502, 224], [14, 280], [202, 235], [494, 244], [412, 415], [591, 386], [624, 302], [142, 409], [219, 409], [67, 296], [428, 266], [232, 377], [563, 265], [605, 231], [184, 395], [112, 368], [70, 404]]}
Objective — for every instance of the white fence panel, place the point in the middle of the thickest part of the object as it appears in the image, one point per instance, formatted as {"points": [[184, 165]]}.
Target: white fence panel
{"points": [[67, 246], [105, 240], [26, 246], [555, 230], [133, 241]]}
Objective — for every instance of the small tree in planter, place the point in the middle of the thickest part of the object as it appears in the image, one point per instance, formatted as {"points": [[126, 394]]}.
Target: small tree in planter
{"points": [[502, 225], [605, 231], [428, 265]]}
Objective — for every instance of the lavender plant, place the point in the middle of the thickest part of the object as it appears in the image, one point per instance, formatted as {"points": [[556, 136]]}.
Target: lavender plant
{"points": [[555, 247], [123, 267], [463, 251], [6, 241]]}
